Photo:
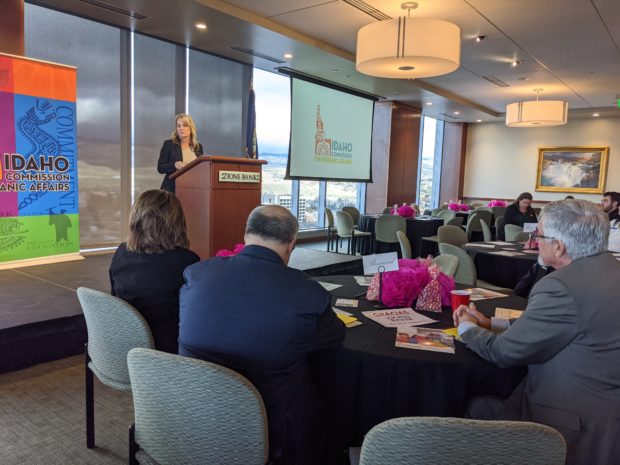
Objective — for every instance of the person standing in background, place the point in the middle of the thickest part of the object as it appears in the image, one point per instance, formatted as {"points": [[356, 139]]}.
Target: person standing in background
{"points": [[178, 151]]}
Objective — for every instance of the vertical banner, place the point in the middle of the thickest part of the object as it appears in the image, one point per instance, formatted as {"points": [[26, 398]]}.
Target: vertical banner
{"points": [[38, 159]]}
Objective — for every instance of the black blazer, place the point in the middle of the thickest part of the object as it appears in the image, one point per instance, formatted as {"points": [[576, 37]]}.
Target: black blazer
{"points": [[169, 154], [151, 282]]}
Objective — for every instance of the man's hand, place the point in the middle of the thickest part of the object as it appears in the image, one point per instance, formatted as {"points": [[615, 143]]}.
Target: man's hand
{"points": [[179, 164], [465, 313]]}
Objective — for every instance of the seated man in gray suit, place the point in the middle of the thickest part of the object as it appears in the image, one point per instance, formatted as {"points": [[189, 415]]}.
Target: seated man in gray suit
{"points": [[569, 336]]}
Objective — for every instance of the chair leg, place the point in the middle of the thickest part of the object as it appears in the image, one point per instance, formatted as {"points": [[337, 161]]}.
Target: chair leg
{"points": [[133, 446], [329, 237], [337, 244], [90, 402]]}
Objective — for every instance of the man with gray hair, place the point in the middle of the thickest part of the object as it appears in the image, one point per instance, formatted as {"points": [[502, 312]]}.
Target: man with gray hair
{"points": [[255, 315], [569, 336]]}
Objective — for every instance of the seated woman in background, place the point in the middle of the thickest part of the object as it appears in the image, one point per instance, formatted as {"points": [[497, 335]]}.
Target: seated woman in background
{"points": [[147, 271], [519, 212], [614, 234]]}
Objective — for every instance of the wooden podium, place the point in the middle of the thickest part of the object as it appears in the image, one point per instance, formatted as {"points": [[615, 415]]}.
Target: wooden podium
{"points": [[217, 194]]}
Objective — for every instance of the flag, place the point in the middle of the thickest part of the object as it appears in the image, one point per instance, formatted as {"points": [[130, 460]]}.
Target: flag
{"points": [[251, 146]]}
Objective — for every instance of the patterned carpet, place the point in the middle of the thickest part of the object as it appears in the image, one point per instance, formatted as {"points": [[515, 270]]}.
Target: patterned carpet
{"points": [[42, 420]]}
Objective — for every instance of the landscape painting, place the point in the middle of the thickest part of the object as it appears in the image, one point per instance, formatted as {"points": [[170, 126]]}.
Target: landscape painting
{"points": [[572, 169]]}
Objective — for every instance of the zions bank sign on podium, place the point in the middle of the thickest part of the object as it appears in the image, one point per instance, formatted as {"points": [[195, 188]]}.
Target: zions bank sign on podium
{"points": [[38, 160]]}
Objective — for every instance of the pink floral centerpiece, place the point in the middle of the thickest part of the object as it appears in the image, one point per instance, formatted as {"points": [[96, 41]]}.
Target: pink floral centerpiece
{"points": [[497, 203], [400, 288], [406, 211], [229, 253], [458, 206]]}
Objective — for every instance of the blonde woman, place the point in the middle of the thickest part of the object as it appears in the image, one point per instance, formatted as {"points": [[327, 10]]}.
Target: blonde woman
{"points": [[178, 151], [147, 270]]}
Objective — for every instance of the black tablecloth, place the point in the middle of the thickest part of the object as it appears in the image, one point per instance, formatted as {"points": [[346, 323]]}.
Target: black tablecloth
{"points": [[369, 380], [417, 228], [501, 270]]}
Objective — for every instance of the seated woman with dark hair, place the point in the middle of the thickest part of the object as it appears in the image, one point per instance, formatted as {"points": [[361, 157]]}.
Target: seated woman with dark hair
{"points": [[519, 212], [147, 271]]}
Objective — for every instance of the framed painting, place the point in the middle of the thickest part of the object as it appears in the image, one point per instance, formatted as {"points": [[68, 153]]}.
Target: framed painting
{"points": [[572, 169]]}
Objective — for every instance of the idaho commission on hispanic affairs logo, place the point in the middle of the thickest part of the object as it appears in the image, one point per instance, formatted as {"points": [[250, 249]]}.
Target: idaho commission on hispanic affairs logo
{"points": [[330, 150]]}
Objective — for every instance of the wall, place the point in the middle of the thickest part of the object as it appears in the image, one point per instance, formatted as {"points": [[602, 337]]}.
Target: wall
{"points": [[501, 162]]}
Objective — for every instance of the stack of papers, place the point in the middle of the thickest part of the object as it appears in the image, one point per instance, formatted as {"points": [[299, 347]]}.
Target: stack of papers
{"points": [[480, 244], [501, 243], [435, 340], [329, 286], [478, 293], [395, 317], [347, 303], [363, 280], [506, 253], [347, 318], [508, 313]]}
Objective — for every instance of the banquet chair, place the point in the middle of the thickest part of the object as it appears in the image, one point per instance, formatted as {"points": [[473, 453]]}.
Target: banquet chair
{"points": [[451, 234], [483, 209], [459, 441], [466, 271], [486, 231], [456, 221], [189, 411], [114, 328], [447, 215], [521, 237], [345, 229], [447, 263], [511, 230], [435, 211], [405, 245], [331, 227], [473, 222], [387, 211], [355, 214], [499, 228], [386, 228], [477, 204], [498, 211]]}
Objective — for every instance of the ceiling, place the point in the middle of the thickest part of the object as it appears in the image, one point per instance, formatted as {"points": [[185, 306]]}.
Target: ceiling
{"points": [[569, 48]]}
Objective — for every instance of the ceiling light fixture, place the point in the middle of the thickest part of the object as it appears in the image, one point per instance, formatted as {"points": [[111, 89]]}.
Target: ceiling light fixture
{"points": [[596, 115], [480, 38], [201, 26], [516, 63], [408, 48], [457, 112], [536, 113], [288, 56], [429, 103], [478, 121]]}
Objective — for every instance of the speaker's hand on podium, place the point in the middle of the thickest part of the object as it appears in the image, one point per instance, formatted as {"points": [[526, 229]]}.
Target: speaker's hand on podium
{"points": [[179, 164]]}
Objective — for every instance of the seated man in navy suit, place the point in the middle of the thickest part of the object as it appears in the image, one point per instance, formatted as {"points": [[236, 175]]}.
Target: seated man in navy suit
{"points": [[255, 315]]}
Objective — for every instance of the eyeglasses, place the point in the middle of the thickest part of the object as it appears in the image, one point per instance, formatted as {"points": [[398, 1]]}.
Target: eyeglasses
{"points": [[536, 236]]}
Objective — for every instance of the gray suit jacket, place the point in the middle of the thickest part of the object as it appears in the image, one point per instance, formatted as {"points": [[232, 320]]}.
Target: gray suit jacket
{"points": [[569, 336]]}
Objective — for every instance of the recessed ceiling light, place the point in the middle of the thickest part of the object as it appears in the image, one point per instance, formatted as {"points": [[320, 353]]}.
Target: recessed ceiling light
{"points": [[348, 75], [595, 115], [429, 103], [516, 63], [201, 26], [457, 112], [480, 38], [478, 121], [523, 79], [288, 56], [334, 70]]}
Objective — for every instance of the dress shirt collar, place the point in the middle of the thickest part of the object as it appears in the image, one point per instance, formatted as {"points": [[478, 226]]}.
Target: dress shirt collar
{"points": [[261, 252]]}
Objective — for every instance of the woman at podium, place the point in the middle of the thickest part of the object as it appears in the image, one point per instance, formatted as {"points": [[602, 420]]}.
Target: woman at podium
{"points": [[178, 151]]}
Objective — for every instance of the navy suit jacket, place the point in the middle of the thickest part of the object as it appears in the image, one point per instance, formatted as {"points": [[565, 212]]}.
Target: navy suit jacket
{"points": [[253, 314], [169, 154]]}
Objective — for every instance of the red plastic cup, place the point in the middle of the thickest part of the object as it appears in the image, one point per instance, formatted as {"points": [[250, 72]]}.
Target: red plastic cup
{"points": [[459, 298]]}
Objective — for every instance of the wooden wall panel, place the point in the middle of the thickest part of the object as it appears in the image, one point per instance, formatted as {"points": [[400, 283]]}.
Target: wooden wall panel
{"points": [[12, 27], [404, 154], [453, 161]]}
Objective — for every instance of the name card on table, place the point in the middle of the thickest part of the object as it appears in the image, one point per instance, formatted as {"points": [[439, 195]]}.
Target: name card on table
{"points": [[529, 227], [381, 262], [239, 176]]}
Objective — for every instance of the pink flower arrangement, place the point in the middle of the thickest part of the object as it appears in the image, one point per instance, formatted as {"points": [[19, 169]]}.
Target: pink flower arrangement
{"points": [[458, 207], [497, 203], [400, 288], [405, 211], [229, 253]]}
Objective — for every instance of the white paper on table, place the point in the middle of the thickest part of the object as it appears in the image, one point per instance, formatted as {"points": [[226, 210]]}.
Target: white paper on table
{"points": [[363, 280], [532, 251], [329, 286], [480, 244], [507, 313], [529, 227], [380, 262], [479, 293], [395, 317], [506, 253], [347, 303], [341, 312], [500, 243]]}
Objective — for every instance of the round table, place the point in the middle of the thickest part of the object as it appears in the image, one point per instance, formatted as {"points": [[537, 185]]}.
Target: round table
{"points": [[368, 380], [417, 228], [501, 264]]}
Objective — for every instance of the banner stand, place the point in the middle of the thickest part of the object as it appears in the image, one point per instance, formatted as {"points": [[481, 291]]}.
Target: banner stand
{"points": [[69, 257]]}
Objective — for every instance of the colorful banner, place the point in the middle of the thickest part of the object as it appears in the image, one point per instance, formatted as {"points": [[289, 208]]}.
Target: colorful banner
{"points": [[38, 159]]}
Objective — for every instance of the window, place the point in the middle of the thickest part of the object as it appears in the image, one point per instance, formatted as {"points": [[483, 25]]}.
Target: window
{"points": [[430, 163], [308, 206]]}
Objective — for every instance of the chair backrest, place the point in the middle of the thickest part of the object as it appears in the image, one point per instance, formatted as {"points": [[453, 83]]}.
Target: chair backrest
{"points": [[447, 215], [454, 235], [416, 207], [473, 223], [486, 231], [498, 211], [483, 209], [511, 231], [344, 223], [435, 211], [386, 227], [114, 328], [537, 210], [192, 411], [476, 204], [354, 212], [329, 216], [499, 228], [387, 210], [432, 440], [456, 221], [521, 237], [466, 271], [405, 245], [448, 263]]}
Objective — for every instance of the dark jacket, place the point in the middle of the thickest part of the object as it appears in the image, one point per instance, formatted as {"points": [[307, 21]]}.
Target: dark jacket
{"points": [[169, 154], [514, 216], [253, 314], [151, 282]]}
